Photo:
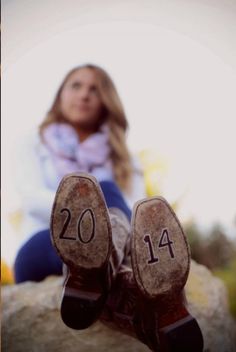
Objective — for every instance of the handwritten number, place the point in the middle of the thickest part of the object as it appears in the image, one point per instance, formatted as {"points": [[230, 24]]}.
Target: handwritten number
{"points": [[147, 239], [79, 227], [165, 236], [93, 226], [66, 223], [163, 242]]}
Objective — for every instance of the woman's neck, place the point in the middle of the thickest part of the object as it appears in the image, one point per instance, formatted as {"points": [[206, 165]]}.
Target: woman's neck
{"points": [[84, 133]]}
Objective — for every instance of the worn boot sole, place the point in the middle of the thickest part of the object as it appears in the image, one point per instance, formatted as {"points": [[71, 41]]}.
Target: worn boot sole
{"points": [[161, 259], [81, 235]]}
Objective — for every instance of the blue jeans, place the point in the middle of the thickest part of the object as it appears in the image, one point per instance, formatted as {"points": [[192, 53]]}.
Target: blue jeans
{"points": [[38, 259]]}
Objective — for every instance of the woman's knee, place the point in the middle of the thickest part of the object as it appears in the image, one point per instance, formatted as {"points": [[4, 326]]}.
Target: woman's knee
{"points": [[37, 259]]}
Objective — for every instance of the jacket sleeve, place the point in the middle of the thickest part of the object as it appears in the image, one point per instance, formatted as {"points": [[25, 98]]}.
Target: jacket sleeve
{"points": [[36, 198]]}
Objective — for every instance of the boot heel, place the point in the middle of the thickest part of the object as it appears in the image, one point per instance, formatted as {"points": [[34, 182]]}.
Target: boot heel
{"points": [[182, 336], [81, 306]]}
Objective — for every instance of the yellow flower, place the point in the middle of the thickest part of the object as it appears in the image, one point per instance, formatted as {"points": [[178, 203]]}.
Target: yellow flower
{"points": [[6, 274]]}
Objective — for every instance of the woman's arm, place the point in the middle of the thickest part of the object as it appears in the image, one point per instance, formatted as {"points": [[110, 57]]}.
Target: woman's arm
{"points": [[37, 199]]}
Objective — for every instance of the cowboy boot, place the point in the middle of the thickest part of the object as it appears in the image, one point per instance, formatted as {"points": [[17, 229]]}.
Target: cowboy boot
{"points": [[122, 311], [160, 260], [148, 300], [90, 242]]}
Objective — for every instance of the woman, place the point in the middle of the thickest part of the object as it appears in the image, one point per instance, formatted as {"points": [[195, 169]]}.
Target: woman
{"points": [[83, 155], [83, 131]]}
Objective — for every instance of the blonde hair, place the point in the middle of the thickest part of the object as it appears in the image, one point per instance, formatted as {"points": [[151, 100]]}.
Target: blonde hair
{"points": [[114, 116]]}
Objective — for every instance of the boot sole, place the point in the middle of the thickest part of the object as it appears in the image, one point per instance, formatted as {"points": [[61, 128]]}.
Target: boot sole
{"points": [[160, 257], [81, 235], [160, 252]]}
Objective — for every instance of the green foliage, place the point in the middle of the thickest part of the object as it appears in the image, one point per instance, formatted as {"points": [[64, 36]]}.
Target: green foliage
{"points": [[220, 248], [213, 249], [196, 242], [216, 251], [228, 275]]}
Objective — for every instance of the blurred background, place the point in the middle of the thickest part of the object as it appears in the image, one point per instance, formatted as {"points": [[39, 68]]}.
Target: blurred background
{"points": [[174, 64]]}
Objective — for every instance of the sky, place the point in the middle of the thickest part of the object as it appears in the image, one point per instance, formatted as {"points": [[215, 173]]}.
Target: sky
{"points": [[174, 65]]}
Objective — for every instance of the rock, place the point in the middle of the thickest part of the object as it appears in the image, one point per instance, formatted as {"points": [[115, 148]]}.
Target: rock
{"points": [[31, 320], [208, 302]]}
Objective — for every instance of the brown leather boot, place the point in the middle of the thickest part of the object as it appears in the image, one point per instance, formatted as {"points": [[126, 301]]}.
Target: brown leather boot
{"points": [[123, 312], [148, 300], [91, 242], [160, 261]]}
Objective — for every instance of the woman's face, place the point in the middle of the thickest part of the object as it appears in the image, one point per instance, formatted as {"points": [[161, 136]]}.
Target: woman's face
{"points": [[80, 102]]}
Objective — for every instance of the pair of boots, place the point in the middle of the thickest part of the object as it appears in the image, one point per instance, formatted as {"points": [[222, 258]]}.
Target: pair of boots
{"points": [[130, 277]]}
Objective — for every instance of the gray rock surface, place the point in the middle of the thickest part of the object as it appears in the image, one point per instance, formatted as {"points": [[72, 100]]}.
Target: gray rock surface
{"points": [[31, 320]]}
